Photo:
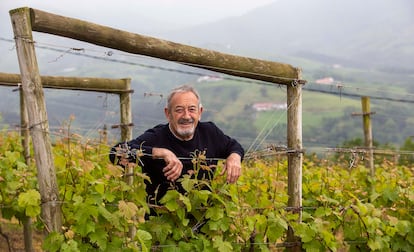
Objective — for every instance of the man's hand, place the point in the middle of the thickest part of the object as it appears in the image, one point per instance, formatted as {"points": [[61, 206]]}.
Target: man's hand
{"points": [[233, 167], [173, 168]]}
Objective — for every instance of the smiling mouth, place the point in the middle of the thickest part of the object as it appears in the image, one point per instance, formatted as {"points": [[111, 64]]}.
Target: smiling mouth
{"points": [[186, 122]]}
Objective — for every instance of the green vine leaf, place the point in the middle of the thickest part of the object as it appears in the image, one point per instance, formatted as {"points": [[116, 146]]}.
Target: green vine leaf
{"points": [[144, 239], [70, 246], [215, 213], [343, 208], [220, 245], [30, 201], [100, 238], [53, 242]]}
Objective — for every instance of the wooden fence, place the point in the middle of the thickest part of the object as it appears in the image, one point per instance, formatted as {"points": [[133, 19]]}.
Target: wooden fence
{"points": [[25, 20], [122, 87]]}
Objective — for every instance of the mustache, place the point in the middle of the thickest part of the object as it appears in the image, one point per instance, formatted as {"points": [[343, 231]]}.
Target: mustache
{"points": [[183, 121]]}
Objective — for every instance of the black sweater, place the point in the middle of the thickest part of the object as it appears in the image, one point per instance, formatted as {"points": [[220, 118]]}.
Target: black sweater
{"points": [[207, 137]]}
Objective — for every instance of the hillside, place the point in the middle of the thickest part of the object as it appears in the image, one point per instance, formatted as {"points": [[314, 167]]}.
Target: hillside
{"points": [[334, 39], [369, 34]]}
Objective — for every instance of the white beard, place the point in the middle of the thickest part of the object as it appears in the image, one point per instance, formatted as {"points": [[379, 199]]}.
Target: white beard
{"points": [[185, 132]]}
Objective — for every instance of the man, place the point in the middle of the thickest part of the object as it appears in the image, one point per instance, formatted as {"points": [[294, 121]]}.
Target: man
{"points": [[168, 148]]}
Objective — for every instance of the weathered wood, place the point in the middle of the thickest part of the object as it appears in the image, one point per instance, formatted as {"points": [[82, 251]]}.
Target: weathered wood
{"points": [[122, 87], [126, 115], [366, 120], [116, 86], [126, 135], [138, 44], [24, 128], [225, 63], [25, 136], [38, 121], [295, 157]]}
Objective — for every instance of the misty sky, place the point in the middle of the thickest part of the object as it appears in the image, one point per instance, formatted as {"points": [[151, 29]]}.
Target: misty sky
{"points": [[147, 17], [175, 12]]}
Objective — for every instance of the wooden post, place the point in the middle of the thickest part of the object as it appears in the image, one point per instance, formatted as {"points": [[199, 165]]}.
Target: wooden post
{"points": [[25, 135], [138, 44], [224, 63], [24, 128], [38, 121], [295, 157], [368, 142], [122, 87], [366, 119], [126, 135], [126, 115], [105, 85]]}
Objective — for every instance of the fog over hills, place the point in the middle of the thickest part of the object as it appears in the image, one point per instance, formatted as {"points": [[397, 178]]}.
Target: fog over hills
{"points": [[369, 33], [372, 39]]}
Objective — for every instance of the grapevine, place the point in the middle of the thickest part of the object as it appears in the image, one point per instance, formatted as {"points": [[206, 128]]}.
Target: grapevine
{"points": [[343, 209]]}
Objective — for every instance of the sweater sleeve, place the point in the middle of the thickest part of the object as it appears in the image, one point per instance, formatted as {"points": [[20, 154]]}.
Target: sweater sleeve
{"points": [[129, 149], [235, 147], [229, 144]]}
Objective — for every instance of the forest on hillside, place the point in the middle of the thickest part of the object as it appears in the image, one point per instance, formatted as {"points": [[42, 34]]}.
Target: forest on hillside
{"points": [[327, 109]]}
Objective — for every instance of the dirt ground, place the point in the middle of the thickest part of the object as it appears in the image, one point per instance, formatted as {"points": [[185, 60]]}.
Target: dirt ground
{"points": [[12, 238]]}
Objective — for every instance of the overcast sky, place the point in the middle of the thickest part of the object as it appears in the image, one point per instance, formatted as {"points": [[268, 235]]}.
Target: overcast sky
{"points": [[175, 12], [147, 17]]}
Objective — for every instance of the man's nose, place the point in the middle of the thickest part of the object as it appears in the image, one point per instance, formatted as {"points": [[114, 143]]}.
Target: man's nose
{"points": [[187, 113]]}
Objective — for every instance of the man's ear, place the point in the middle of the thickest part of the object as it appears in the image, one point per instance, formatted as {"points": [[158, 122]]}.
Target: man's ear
{"points": [[201, 112], [167, 113]]}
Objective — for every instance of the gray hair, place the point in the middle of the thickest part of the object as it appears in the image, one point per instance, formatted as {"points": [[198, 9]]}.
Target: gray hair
{"points": [[183, 89]]}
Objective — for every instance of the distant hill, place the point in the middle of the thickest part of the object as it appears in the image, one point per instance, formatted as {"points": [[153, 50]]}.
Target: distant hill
{"points": [[372, 42], [369, 33]]}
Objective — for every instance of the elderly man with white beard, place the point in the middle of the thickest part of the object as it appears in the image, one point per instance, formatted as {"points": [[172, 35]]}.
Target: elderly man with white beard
{"points": [[168, 148]]}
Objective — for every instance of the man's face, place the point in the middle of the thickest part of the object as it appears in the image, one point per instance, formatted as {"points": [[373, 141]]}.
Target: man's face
{"points": [[184, 114]]}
